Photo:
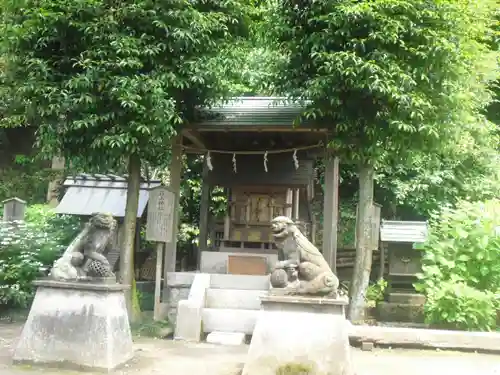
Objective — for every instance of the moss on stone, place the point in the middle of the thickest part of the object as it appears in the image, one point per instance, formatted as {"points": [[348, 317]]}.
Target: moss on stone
{"points": [[295, 369]]}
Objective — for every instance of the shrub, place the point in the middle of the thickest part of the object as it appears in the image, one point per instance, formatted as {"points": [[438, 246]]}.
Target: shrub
{"points": [[28, 249], [375, 293], [459, 306], [461, 265]]}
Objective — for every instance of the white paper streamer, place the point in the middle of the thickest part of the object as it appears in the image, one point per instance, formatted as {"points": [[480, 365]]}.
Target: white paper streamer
{"points": [[265, 161], [209, 161], [234, 163], [295, 159]]}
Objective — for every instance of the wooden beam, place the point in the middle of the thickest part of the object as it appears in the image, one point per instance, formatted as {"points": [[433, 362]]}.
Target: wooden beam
{"points": [[175, 185], [330, 211], [195, 137]]}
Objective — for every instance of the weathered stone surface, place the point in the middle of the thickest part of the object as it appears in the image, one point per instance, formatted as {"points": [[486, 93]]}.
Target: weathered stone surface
{"points": [[302, 269], [189, 311], [400, 312], [226, 338], [426, 338], [84, 257], [409, 298], [306, 333], [76, 324]]}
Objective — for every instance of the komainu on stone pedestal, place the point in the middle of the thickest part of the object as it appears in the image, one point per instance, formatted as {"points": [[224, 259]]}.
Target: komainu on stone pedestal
{"points": [[84, 259], [302, 269], [76, 325]]}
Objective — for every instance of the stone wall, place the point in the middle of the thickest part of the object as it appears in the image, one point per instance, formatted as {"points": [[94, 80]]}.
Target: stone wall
{"points": [[178, 286]]}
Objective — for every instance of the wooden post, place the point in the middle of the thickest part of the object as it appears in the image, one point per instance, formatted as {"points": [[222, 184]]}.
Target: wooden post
{"points": [[160, 228], [157, 303], [204, 211], [330, 211], [296, 204], [381, 272], [227, 216], [175, 187], [288, 203]]}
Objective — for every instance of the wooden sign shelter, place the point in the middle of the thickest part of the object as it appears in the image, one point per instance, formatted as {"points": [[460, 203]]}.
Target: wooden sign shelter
{"points": [[160, 229]]}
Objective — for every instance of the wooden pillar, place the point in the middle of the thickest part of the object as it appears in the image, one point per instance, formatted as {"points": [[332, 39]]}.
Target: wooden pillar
{"points": [[288, 203], [227, 216], [175, 186], [296, 204], [330, 211], [204, 212]]}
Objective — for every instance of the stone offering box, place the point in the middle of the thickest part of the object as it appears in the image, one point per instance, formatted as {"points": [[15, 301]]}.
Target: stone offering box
{"points": [[308, 334], [81, 324]]}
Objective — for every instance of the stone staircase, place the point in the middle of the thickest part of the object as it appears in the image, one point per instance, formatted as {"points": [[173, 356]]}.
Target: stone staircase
{"points": [[220, 303], [233, 302]]}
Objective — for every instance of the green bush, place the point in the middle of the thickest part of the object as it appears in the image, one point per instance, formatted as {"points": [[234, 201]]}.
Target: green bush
{"points": [[375, 293], [461, 266], [459, 306], [28, 249]]}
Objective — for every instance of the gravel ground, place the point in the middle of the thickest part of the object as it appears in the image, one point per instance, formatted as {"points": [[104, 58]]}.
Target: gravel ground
{"points": [[177, 358]]}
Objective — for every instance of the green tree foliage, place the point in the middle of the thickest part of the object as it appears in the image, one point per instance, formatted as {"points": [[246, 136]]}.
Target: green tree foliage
{"points": [[461, 266], [387, 77], [103, 81]]}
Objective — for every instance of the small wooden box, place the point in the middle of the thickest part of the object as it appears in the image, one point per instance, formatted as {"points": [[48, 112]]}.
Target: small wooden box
{"points": [[246, 265]]}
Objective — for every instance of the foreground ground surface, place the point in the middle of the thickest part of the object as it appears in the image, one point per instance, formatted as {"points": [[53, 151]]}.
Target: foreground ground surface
{"points": [[176, 358]]}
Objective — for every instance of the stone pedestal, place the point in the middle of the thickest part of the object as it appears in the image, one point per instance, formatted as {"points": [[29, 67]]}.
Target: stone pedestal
{"points": [[82, 325], [300, 335]]}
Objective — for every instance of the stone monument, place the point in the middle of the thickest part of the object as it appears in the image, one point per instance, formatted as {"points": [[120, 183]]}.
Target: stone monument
{"points": [[78, 317], [302, 327]]}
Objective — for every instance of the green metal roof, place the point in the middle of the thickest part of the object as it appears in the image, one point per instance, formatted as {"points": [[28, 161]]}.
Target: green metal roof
{"points": [[252, 112]]}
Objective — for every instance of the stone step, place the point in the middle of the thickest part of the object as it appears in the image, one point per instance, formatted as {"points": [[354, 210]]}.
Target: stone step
{"points": [[226, 338], [234, 298], [246, 282], [229, 320], [407, 298]]}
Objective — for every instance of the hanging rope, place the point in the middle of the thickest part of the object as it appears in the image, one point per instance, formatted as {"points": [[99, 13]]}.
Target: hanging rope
{"points": [[209, 161], [295, 159], [265, 161], [282, 151], [234, 164]]}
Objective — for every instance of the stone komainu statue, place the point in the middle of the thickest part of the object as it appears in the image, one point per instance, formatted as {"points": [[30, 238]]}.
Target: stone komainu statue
{"points": [[302, 269], [84, 256]]}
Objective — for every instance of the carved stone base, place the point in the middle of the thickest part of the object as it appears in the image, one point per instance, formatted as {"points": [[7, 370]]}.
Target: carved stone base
{"points": [[80, 325], [306, 335]]}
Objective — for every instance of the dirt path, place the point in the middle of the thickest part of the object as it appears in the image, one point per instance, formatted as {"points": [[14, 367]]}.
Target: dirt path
{"points": [[177, 358]]}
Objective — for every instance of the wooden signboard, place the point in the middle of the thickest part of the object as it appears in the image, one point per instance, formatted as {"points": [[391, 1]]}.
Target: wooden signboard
{"points": [[161, 206]]}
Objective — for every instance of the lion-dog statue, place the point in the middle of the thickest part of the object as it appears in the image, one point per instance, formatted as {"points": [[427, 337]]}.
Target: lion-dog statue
{"points": [[302, 269]]}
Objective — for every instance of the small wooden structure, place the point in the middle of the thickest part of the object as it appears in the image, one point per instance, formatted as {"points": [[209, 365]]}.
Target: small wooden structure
{"points": [[13, 209], [399, 239], [266, 166]]}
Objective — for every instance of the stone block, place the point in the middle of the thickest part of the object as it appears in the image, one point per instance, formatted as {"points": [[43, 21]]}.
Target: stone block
{"points": [[189, 312], [307, 334], [367, 346], [226, 338], [81, 325], [407, 298], [400, 312]]}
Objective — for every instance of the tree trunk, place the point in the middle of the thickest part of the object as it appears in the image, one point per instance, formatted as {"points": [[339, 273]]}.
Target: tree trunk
{"points": [[127, 252], [363, 263]]}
